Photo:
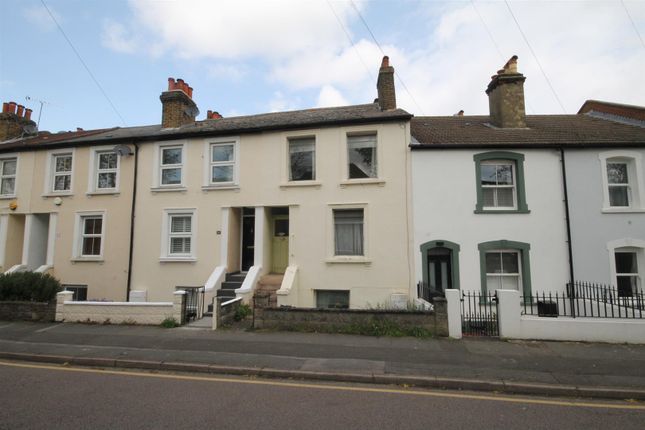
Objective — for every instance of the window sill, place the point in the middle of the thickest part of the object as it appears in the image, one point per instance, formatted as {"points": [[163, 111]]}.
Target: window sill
{"points": [[502, 211], [297, 184], [177, 259], [103, 193], [220, 187], [348, 260], [368, 181], [54, 195], [622, 210], [7, 197], [168, 189], [87, 260]]}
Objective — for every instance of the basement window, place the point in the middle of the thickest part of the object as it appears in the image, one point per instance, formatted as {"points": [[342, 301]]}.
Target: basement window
{"points": [[332, 299], [80, 291]]}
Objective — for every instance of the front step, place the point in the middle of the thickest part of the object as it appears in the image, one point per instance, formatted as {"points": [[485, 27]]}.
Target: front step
{"points": [[265, 295], [233, 282]]}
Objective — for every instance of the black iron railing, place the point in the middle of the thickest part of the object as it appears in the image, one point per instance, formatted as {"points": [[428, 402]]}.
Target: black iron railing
{"points": [[586, 299], [425, 292], [479, 314], [194, 305]]}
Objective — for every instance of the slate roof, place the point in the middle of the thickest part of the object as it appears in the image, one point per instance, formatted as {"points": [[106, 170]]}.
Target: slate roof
{"points": [[542, 131], [321, 117]]}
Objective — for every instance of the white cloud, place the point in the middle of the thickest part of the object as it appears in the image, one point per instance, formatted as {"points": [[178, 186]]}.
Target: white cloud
{"points": [[116, 37], [330, 96], [38, 16], [240, 29], [280, 102]]}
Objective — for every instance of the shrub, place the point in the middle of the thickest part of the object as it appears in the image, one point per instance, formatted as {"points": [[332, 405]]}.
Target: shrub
{"points": [[242, 312], [169, 322], [28, 286]]}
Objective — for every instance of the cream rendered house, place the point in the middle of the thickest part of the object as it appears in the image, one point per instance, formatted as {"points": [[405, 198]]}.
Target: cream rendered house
{"points": [[64, 207], [308, 208], [310, 203]]}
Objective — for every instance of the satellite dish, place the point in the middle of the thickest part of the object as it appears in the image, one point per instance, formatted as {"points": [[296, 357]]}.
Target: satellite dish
{"points": [[123, 150]]}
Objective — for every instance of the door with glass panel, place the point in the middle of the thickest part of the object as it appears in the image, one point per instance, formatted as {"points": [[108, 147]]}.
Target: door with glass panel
{"points": [[439, 269]]}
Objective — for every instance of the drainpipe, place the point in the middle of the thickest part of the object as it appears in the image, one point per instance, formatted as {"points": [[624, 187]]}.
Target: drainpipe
{"points": [[134, 201], [566, 208]]}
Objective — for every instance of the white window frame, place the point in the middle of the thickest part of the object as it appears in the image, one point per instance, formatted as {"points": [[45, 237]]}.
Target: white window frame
{"points": [[513, 187], [518, 275], [79, 235], [635, 186], [297, 139], [331, 236], [93, 177], [50, 172], [158, 167], [627, 245], [209, 144], [166, 255], [3, 158], [348, 137]]}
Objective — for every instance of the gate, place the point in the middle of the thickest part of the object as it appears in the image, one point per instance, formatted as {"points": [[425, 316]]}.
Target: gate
{"points": [[479, 314], [194, 307]]}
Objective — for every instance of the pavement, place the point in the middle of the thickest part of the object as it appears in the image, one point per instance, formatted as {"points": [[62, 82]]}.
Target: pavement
{"points": [[572, 369]]}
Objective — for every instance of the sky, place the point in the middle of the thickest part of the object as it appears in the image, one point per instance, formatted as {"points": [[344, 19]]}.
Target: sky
{"points": [[97, 64]]}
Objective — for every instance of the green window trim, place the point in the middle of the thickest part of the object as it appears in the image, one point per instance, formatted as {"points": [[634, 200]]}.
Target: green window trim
{"points": [[518, 159], [522, 247], [454, 259]]}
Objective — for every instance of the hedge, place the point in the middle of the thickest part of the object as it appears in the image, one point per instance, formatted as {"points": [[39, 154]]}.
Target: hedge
{"points": [[28, 286]]}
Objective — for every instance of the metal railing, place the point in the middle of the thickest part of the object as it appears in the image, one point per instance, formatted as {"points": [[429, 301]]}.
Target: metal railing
{"points": [[479, 314], [425, 292], [194, 305], [586, 299]]}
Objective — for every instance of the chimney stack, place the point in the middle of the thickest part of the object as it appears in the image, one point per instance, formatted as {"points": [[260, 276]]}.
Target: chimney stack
{"points": [[178, 105], [385, 85], [213, 115], [14, 120], [506, 97]]}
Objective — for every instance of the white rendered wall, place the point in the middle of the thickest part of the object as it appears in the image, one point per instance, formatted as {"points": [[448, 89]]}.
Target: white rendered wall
{"points": [[444, 199]]}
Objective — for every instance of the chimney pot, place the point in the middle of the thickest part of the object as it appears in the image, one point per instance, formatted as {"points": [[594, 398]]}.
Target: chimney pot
{"points": [[28, 114], [12, 107], [506, 97], [178, 108], [5, 107], [20, 110], [385, 85]]}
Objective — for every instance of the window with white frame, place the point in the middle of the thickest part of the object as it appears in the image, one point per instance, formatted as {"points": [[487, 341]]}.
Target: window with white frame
{"points": [[8, 176], [180, 234], [627, 274], [91, 235], [302, 159], [61, 172], [622, 181], [332, 299], [107, 170], [497, 178], [503, 270], [222, 163], [171, 165], [362, 156], [348, 232]]}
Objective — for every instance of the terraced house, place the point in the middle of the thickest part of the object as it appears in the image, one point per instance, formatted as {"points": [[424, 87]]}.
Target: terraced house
{"points": [[309, 207], [526, 202]]}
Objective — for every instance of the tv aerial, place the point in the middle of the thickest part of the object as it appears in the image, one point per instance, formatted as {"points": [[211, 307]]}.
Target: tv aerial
{"points": [[40, 111]]}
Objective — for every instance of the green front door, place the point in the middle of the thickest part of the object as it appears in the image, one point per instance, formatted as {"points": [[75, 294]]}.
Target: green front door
{"points": [[280, 244]]}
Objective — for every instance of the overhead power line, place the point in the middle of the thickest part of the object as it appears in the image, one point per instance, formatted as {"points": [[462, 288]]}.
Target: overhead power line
{"points": [[78, 55], [633, 23], [369, 30], [535, 57], [492, 39]]}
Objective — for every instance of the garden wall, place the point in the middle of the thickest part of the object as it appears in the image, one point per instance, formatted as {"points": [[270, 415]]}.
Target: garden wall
{"points": [[27, 311]]}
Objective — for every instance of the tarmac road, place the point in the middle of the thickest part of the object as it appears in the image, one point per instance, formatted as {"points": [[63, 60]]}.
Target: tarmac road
{"points": [[38, 396]]}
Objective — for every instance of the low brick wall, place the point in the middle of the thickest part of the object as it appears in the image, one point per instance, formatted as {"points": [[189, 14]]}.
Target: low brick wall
{"points": [[116, 312], [27, 311], [335, 320]]}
